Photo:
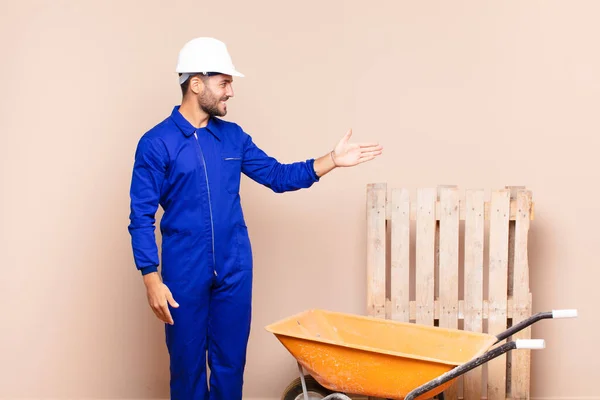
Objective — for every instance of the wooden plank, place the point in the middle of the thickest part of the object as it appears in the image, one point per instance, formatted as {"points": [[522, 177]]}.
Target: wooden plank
{"points": [[511, 269], [461, 309], [498, 286], [449, 258], [376, 249], [463, 211], [400, 234], [473, 276], [425, 255], [520, 377], [511, 238], [448, 266], [509, 288]]}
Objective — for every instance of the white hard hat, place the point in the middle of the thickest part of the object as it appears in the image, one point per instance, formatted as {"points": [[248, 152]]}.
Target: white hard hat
{"points": [[204, 55]]}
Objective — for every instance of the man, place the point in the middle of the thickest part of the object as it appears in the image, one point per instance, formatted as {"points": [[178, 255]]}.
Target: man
{"points": [[191, 164]]}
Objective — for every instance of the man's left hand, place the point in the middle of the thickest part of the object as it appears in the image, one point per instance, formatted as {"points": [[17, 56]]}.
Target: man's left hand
{"points": [[348, 154]]}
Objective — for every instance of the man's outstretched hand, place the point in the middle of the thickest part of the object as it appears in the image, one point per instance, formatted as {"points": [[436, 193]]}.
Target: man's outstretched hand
{"points": [[348, 154]]}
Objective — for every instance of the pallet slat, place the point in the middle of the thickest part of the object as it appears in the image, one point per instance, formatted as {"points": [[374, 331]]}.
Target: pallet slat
{"points": [[462, 211], [425, 254], [376, 249], [498, 287], [510, 282], [448, 259], [462, 310], [400, 252], [520, 376], [473, 303], [448, 266]]}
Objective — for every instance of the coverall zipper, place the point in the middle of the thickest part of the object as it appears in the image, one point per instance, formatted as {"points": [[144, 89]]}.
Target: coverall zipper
{"points": [[212, 229]]}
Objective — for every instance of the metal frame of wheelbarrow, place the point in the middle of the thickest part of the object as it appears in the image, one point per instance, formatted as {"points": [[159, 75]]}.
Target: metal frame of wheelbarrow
{"points": [[532, 344]]}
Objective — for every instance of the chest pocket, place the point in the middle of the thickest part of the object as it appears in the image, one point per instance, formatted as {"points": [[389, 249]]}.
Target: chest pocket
{"points": [[231, 167]]}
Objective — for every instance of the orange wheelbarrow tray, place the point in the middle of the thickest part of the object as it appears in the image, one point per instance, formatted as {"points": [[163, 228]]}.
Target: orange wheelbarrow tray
{"points": [[367, 356]]}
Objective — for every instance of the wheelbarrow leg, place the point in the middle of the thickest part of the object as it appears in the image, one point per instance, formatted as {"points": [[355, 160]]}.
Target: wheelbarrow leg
{"points": [[303, 382], [333, 396]]}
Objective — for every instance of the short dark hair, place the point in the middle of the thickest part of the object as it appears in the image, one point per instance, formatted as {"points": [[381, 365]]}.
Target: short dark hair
{"points": [[185, 85], [204, 76]]}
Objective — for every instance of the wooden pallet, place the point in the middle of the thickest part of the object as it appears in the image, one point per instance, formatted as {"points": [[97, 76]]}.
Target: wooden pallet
{"points": [[458, 261]]}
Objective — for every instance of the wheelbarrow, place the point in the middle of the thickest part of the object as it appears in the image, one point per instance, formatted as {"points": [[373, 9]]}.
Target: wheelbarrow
{"points": [[347, 354]]}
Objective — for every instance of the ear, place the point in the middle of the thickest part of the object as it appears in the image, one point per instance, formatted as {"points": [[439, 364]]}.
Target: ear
{"points": [[196, 85]]}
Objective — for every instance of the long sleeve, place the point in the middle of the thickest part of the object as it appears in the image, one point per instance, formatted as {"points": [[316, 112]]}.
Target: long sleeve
{"points": [[148, 175], [277, 176]]}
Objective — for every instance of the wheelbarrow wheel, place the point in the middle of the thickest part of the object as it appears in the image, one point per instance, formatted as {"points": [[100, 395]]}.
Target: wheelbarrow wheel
{"points": [[314, 389]]}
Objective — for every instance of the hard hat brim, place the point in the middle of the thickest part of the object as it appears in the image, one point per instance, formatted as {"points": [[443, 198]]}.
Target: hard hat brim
{"points": [[185, 75]]}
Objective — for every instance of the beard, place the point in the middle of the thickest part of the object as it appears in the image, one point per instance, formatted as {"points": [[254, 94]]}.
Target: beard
{"points": [[209, 103]]}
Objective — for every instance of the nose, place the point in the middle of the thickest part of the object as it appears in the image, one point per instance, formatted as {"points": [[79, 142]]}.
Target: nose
{"points": [[229, 90]]}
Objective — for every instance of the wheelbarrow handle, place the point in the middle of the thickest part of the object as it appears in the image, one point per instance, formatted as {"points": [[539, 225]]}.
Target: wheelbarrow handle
{"points": [[476, 362], [531, 344], [533, 319], [564, 313]]}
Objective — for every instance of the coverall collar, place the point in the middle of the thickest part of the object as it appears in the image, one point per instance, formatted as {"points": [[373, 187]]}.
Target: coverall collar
{"points": [[188, 129]]}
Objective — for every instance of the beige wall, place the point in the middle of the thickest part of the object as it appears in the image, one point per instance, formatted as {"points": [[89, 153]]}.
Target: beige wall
{"points": [[478, 94]]}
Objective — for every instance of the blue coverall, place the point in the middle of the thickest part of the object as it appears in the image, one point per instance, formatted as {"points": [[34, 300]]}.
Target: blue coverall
{"points": [[194, 175]]}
